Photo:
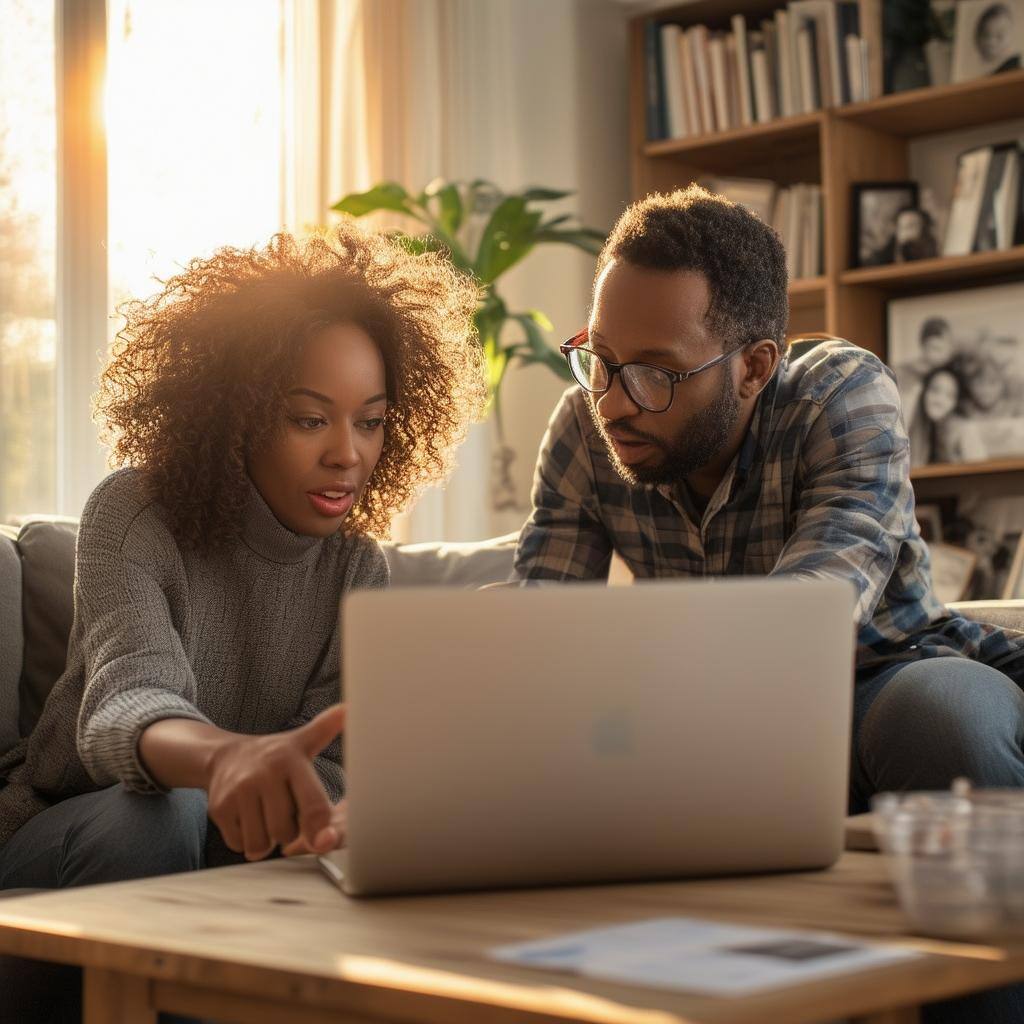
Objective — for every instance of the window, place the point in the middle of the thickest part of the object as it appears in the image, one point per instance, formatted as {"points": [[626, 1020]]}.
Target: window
{"points": [[195, 159]]}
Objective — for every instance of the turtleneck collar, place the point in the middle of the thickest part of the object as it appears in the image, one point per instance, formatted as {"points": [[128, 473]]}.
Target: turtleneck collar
{"points": [[264, 533]]}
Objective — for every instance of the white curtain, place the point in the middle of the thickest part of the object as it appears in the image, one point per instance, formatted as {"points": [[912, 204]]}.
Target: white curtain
{"points": [[509, 90]]}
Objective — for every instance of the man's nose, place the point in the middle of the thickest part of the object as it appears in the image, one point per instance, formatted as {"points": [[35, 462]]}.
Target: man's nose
{"points": [[615, 404]]}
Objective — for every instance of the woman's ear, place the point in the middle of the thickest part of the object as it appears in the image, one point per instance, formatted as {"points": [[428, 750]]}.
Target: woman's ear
{"points": [[760, 361]]}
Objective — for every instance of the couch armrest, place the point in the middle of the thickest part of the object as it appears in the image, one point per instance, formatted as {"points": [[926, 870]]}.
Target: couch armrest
{"points": [[1008, 614]]}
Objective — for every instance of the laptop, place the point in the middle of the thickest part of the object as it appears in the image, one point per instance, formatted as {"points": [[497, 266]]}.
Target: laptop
{"points": [[580, 734]]}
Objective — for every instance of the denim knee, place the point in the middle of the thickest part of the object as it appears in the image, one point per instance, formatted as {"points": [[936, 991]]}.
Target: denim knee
{"points": [[941, 718], [133, 835]]}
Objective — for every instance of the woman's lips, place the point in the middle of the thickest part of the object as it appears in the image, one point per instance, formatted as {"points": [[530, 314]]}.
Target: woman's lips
{"points": [[332, 508]]}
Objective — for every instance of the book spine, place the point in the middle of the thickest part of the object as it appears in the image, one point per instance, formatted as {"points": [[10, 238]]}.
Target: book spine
{"points": [[675, 104], [719, 87], [788, 105], [854, 78], [870, 18], [771, 51], [807, 51], [689, 85], [762, 84], [739, 31], [701, 64], [652, 68]]}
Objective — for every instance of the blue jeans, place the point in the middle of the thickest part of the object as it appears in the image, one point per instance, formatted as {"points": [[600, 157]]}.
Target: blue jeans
{"points": [[108, 836], [921, 725]]}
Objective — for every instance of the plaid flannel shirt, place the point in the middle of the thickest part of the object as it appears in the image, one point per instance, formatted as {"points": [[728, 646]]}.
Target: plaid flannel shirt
{"points": [[819, 488]]}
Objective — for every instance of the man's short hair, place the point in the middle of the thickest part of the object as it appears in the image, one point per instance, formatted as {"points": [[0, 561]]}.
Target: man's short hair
{"points": [[740, 256], [934, 327]]}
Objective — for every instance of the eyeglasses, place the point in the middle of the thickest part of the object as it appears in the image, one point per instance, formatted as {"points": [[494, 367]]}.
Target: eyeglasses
{"points": [[650, 387]]}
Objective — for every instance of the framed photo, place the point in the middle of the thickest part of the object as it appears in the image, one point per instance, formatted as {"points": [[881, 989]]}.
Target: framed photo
{"points": [[952, 569], [876, 205], [988, 38], [959, 364], [992, 530], [1014, 589]]}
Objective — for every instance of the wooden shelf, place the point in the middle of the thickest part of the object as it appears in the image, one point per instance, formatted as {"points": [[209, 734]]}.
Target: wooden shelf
{"points": [[942, 270], [943, 108], [807, 292], [951, 470], [753, 151]]}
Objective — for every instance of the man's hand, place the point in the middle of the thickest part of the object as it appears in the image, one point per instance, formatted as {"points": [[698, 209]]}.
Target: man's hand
{"points": [[264, 791], [338, 824]]}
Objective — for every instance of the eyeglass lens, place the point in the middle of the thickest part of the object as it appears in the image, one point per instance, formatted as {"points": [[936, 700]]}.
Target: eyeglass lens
{"points": [[648, 386]]}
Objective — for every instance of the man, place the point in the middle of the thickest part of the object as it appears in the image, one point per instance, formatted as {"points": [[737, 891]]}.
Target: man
{"points": [[696, 446]]}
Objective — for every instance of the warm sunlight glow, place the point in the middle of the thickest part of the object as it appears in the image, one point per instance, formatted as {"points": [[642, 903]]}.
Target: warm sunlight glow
{"points": [[194, 128]]}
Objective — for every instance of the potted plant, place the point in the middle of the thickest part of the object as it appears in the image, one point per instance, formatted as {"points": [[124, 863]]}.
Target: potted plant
{"points": [[485, 232]]}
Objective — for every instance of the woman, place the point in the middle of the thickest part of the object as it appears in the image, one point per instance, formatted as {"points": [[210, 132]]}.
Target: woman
{"points": [[274, 408], [939, 432]]}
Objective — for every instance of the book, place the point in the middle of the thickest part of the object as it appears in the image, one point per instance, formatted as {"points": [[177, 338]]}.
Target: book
{"points": [[698, 36], [826, 34], [719, 81], [1018, 231], [771, 52], [675, 101], [732, 80], [763, 105], [968, 193], [813, 266], [870, 19], [987, 232], [746, 93], [755, 194], [807, 62], [652, 73], [855, 68], [847, 29], [789, 77], [689, 74], [794, 243], [1006, 199]]}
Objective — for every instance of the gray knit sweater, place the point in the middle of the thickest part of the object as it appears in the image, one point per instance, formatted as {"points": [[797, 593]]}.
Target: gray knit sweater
{"points": [[245, 637]]}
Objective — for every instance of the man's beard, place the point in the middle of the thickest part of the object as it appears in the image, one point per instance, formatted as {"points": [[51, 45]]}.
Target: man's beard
{"points": [[703, 437]]}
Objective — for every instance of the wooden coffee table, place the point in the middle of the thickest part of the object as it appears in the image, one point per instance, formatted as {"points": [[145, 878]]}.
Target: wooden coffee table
{"points": [[275, 942]]}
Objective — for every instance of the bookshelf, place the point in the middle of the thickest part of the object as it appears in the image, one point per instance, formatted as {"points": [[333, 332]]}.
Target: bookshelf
{"points": [[835, 147]]}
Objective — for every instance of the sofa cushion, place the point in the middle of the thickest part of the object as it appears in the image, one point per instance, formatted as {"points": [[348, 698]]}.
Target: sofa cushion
{"points": [[472, 564], [11, 640], [48, 569]]}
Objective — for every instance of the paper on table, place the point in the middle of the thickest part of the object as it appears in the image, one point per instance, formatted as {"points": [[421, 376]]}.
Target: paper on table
{"points": [[698, 956]]}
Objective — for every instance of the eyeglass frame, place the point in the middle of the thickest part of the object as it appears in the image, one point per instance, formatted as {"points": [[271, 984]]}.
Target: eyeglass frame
{"points": [[675, 376]]}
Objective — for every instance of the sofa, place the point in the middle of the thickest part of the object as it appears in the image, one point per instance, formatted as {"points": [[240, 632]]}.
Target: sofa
{"points": [[37, 562], [37, 570]]}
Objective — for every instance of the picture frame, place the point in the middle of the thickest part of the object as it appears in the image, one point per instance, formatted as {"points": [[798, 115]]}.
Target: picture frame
{"points": [[1014, 589], [988, 38], [929, 519], [874, 209], [959, 363], [952, 569]]}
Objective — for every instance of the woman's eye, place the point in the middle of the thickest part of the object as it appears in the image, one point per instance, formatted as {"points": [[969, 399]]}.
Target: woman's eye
{"points": [[308, 422], [371, 424]]}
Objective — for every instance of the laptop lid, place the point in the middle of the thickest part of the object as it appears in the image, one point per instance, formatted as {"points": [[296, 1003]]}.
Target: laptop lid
{"points": [[548, 735]]}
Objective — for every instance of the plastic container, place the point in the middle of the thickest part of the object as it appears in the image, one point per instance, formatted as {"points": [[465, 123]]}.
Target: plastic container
{"points": [[956, 859]]}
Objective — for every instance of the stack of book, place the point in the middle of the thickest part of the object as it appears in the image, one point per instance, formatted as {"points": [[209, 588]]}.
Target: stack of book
{"points": [[794, 212], [987, 212], [811, 54]]}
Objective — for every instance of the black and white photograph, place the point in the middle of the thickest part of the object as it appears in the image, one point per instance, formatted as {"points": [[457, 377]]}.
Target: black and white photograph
{"points": [[877, 206], [991, 529], [988, 38], [959, 364], [915, 235]]}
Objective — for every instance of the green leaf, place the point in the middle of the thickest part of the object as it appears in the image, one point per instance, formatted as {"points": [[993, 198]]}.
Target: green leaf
{"points": [[507, 238], [388, 195], [539, 350], [543, 195], [450, 217], [555, 221]]}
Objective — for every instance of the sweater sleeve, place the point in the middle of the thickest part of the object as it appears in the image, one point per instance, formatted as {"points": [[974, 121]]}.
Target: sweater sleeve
{"points": [[136, 670], [366, 569]]}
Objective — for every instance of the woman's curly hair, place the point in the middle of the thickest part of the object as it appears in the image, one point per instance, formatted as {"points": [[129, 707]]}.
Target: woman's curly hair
{"points": [[198, 376]]}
